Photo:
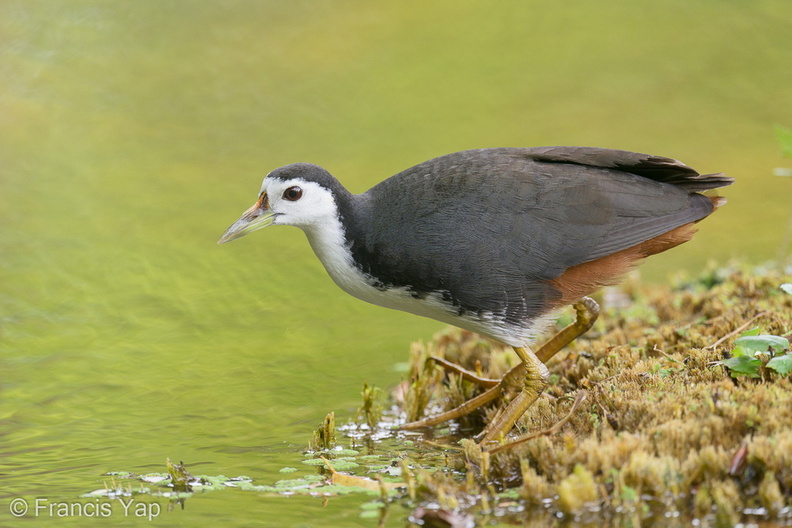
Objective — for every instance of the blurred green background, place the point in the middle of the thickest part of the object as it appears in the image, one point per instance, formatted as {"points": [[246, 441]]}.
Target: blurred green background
{"points": [[134, 133]]}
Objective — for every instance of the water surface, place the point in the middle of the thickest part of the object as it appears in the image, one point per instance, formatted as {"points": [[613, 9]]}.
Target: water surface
{"points": [[134, 133]]}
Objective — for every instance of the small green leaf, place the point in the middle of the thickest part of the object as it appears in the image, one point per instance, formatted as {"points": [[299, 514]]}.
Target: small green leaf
{"points": [[761, 343], [752, 332], [787, 287], [743, 365], [740, 352], [781, 364], [337, 452]]}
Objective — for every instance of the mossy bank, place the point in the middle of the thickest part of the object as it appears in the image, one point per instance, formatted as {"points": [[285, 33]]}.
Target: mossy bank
{"points": [[665, 430]]}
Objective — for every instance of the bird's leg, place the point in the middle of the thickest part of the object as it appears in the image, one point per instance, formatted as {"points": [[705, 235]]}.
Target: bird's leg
{"points": [[535, 381], [493, 392], [466, 408], [464, 373], [510, 379], [587, 312]]}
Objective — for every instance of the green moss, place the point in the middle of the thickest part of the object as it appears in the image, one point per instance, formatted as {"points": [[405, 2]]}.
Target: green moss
{"points": [[663, 421], [576, 490]]}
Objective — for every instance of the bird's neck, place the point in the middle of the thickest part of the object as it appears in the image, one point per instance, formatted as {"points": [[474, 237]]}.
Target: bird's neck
{"points": [[328, 240], [332, 245]]}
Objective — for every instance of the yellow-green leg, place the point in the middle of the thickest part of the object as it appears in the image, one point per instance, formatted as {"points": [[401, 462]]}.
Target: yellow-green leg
{"points": [[587, 312], [535, 382], [464, 373], [466, 408], [536, 373]]}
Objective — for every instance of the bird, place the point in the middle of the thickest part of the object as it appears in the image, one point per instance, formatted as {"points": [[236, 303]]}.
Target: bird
{"points": [[492, 240]]}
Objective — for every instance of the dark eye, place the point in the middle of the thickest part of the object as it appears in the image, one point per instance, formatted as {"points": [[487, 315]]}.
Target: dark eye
{"points": [[292, 194]]}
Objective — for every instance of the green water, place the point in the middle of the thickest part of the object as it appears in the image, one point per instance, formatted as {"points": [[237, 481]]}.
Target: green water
{"points": [[134, 133]]}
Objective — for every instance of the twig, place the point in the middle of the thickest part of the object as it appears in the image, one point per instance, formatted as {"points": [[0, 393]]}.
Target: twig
{"points": [[737, 331], [669, 358], [581, 395]]}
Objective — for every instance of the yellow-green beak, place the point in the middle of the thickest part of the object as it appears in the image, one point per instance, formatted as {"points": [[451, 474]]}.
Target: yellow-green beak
{"points": [[258, 216]]}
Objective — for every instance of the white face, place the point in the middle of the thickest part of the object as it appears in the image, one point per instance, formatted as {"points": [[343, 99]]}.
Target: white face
{"points": [[297, 202], [294, 202]]}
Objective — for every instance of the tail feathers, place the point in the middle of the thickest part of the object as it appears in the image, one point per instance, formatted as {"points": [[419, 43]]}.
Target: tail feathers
{"points": [[699, 182], [718, 201]]}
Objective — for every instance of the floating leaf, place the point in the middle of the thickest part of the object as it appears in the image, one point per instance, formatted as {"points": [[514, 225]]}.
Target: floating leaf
{"points": [[743, 365], [339, 452], [360, 482], [781, 364], [763, 343], [344, 465]]}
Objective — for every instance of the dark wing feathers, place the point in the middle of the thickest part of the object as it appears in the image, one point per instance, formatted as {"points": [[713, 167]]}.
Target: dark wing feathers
{"points": [[658, 168], [491, 227], [653, 167]]}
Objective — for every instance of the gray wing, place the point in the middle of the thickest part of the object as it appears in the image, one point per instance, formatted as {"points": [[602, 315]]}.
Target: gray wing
{"points": [[490, 228]]}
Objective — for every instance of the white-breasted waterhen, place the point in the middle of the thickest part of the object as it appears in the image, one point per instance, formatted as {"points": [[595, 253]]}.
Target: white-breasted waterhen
{"points": [[492, 240]]}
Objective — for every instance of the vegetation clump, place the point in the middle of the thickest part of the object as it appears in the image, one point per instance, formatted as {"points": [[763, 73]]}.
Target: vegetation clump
{"points": [[669, 427]]}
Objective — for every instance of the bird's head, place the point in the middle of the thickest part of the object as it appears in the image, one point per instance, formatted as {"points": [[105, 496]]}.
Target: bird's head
{"points": [[298, 195]]}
